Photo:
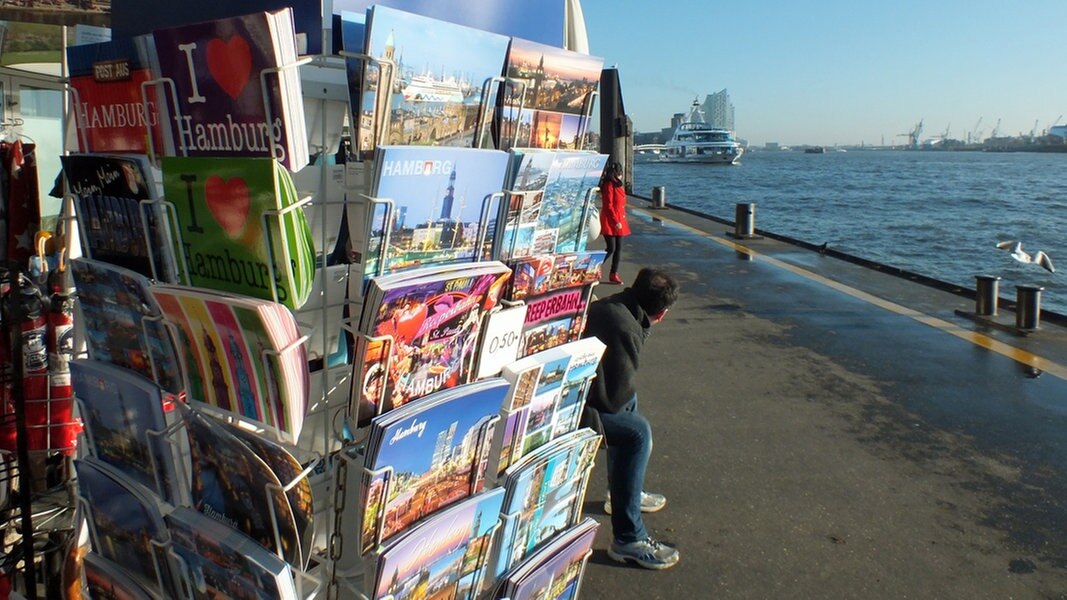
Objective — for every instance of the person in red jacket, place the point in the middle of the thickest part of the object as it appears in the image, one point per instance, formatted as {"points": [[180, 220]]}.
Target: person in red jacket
{"points": [[613, 225]]}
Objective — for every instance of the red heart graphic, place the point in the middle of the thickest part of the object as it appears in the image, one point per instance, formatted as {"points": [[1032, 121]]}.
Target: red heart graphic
{"points": [[228, 202], [230, 64]]}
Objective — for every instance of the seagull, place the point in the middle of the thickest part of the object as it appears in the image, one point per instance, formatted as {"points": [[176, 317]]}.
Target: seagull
{"points": [[1038, 258]]}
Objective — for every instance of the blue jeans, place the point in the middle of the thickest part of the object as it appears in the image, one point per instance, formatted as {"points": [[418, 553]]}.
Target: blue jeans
{"points": [[628, 437]]}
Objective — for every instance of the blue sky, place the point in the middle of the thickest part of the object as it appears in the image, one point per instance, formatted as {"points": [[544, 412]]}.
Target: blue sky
{"points": [[840, 72]]}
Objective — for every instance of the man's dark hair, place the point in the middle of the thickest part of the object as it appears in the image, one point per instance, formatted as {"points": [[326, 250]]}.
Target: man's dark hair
{"points": [[656, 290]]}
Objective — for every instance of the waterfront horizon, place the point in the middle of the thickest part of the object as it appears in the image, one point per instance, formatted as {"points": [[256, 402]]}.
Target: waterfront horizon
{"points": [[938, 214]]}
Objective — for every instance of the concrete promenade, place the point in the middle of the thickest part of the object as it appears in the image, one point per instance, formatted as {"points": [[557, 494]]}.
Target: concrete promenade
{"points": [[823, 430]]}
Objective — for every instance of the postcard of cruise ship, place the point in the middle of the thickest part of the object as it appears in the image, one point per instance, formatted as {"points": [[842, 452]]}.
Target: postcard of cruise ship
{"points": [[437, 84]]}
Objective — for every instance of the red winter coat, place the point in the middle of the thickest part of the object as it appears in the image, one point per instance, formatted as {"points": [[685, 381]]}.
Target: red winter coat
{"points": [[613, 209]]}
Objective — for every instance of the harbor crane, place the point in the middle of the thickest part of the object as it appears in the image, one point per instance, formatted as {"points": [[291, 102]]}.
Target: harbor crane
{"points": [[972, 137], [996, 131], [913, 135], [1049, 127]]}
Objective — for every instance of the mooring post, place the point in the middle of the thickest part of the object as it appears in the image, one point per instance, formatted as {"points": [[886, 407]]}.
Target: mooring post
{"points": [[1028, 306], [745, 220], [659, 197], [985, 300]]}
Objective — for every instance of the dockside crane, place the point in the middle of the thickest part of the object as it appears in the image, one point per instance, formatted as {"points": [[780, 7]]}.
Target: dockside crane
{"points": [[913, 135], [972, 137], [996, 131]]}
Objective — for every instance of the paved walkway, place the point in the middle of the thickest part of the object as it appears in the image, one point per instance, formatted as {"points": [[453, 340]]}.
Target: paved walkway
{"points": [[827, 431]]}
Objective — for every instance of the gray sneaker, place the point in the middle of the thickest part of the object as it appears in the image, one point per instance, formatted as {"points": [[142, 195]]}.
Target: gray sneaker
{"points": [[647, 553], [650, 503]]}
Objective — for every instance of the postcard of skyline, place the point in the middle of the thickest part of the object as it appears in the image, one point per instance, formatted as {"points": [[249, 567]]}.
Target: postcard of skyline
{"points": [[439, 535], [414, 453], [420, 193], [440, 48], [559, 63], [555, 560]]}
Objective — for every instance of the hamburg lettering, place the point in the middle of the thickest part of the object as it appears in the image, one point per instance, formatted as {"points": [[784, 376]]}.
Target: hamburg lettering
{"points": [[231, 136], [124, 114], [393, 168], [416, 428], [227, 269]]}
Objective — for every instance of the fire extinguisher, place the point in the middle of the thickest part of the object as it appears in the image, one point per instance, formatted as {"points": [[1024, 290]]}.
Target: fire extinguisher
{"points": [[62, 432], [60, 329], [30, 318]]}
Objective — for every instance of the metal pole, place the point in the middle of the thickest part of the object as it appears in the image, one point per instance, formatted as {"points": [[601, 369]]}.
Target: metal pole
{"points": [[745, 220], [985, 301], [1028, 306], [659, 197]]}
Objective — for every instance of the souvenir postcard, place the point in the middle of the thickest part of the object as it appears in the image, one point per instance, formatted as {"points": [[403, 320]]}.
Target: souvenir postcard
{"points": [[440, 202], [106, 579], [117, 207], [123, 324], [125, 416], [554, 572], [433, 324], [288, 471], [549, 388], [219, 70], [234, 486], [435, 82], [447, 553], [536, 275], [547, 84], [428, 455], [544, 496], [229, 234], [242, 354], [108, 104], [124, 521], [564, 180], [554, 318], [222, 562]]}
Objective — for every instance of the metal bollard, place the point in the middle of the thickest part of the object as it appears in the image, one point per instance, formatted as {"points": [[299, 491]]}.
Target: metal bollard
{"points": [[985, 301], [1028, 306], [745, 220], [659, 197]]}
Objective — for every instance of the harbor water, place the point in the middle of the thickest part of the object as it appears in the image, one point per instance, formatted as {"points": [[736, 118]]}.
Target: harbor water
{"points": [[939, 214]]}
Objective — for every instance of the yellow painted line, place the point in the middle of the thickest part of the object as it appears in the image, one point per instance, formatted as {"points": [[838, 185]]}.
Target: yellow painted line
{"points": [[1017, 354]]}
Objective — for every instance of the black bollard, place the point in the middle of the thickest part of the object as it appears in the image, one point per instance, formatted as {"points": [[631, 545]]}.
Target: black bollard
{"points": [[745, 221], [985, 301], [659, 197], [1028, 306]]}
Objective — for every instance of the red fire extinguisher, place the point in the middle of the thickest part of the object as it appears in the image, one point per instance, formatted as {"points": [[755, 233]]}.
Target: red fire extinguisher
{"points": [[60, 352], [29, 318]]}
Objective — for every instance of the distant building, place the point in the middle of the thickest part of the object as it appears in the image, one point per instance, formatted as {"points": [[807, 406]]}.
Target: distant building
{"points": [[718, 110], [1059, 131], [771, 146]]}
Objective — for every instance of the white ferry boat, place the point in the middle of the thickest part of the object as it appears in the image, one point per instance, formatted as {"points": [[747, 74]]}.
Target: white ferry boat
{"points": [[696, 141]]}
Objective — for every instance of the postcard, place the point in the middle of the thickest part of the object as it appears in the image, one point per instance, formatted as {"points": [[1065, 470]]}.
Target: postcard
{"points": [[120, 220], [434, 456], [439, 206], [436, 84], [123, 324], [125, 417], [234, 486], [218, 71], [447, 553], [223, 563], [124, 521]]}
